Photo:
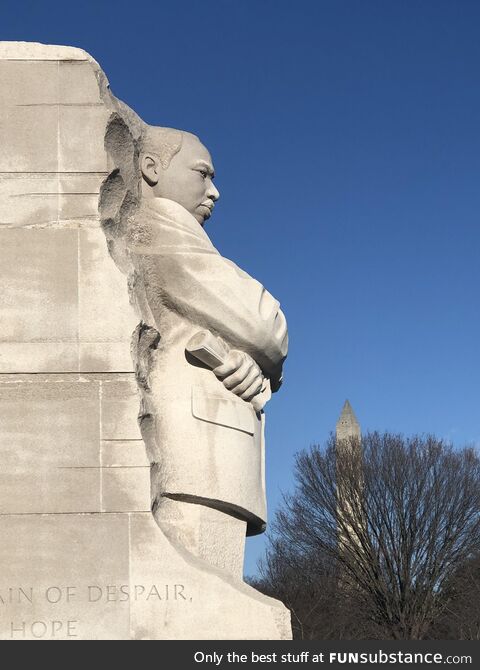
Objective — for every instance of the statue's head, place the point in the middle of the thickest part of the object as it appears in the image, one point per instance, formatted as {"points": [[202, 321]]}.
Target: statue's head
{"points": [[176, 165]]}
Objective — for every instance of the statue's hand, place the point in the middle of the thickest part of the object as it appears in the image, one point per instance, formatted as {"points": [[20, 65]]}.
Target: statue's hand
{"points": [[240, 374]]}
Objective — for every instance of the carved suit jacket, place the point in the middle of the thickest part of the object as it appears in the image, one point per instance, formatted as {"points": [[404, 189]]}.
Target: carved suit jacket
{"points": [[205, 444]]}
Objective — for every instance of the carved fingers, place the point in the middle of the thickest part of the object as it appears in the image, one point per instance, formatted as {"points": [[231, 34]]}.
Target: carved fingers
{"points": [[240, 375], [250, 386]]}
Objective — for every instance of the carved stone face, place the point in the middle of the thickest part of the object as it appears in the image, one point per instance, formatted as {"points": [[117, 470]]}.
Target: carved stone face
{"points": [[187, 180]]}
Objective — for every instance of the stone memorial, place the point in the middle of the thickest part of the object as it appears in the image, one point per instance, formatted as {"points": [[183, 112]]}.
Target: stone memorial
{"points": [[131, 466]]}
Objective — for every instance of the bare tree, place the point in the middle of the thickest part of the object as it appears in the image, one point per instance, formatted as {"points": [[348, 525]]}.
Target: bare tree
{"points": [[460, 619], [309, 585], [395, 516]]}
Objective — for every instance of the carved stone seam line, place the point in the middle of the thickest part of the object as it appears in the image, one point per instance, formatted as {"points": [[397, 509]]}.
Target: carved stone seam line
{"points": [[100, 451], [79, 294], [140, 511], [59, 140], [45, 60], [65, 223], [121, 439], [35, 175], [60, 104], [22, 195], [103, 467], [75, 372]]}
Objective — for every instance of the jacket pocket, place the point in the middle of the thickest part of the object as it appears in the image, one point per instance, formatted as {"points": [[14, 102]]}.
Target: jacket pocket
{"points": [[236, 414]]}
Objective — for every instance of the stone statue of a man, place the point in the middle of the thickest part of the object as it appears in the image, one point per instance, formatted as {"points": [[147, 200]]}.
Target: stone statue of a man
{"points": [[202, 422], [143, 560]]}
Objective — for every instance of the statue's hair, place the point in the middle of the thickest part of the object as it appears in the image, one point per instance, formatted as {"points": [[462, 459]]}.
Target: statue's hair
{"points": [[163, 142], [126, 138]]}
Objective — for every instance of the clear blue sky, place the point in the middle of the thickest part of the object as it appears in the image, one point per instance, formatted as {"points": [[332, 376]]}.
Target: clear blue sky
{"points": [[345, 135]]}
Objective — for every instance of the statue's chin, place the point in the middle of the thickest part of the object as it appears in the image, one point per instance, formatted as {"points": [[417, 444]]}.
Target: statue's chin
{"points": [[202, 213], [201, 219]]}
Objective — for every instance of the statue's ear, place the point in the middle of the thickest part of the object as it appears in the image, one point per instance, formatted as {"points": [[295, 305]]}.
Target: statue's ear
{"points": [[149, 165]]}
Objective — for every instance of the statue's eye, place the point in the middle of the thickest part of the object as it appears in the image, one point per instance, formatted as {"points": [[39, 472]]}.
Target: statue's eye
{"points": [[203, 173]]}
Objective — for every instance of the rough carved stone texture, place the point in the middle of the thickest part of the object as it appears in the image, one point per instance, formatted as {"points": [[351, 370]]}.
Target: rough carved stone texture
{"points": [[81, 556]]}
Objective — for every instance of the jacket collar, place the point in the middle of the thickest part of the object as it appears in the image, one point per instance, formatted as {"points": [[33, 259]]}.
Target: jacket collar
{"points": [[169, 209]]}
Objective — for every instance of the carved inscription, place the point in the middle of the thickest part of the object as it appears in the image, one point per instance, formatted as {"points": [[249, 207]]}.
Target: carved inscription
{"points": [[43, 629], [92, 595]]}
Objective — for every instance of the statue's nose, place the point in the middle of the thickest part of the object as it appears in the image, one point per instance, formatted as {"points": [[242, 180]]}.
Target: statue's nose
{"points": [[213, 192]]}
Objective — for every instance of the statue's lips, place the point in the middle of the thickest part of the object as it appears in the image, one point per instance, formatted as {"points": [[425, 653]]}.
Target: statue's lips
{"points": [[208, 208]]}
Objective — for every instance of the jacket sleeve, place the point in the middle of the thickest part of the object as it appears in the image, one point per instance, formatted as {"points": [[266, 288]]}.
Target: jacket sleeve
{"points": [[211, 291]]}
